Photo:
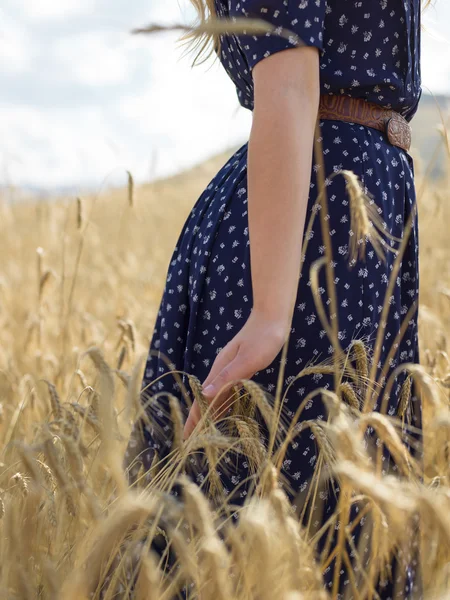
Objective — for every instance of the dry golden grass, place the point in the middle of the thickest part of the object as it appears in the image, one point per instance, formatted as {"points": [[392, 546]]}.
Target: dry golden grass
{"points": [[80, 284]]}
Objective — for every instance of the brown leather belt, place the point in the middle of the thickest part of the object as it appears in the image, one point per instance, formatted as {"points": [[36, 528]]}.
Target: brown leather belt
{"points": [[357, 110]]}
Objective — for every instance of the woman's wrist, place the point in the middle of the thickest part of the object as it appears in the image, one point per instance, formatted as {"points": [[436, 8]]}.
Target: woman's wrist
{"points": [[280, 319]]}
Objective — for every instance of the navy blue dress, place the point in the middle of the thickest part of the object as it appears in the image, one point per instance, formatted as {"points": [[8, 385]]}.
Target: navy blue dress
{"points": [[367, 50]]}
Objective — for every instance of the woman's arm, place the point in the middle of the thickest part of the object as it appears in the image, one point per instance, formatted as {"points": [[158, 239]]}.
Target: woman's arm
{"points": [[279, 170]]}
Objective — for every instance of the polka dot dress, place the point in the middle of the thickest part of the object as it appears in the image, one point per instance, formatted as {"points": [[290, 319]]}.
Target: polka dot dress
{"points": [[367, 50]]}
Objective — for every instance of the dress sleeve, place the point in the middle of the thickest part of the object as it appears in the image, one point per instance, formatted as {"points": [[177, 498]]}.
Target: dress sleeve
{"points": [[305, 18]]}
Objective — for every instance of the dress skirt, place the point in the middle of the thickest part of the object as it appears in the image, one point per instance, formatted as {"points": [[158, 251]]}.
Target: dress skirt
{"points": [[208, 296]]}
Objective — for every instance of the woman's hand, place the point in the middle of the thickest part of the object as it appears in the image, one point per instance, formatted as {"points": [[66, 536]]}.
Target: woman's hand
{"points": [[252, 349]]}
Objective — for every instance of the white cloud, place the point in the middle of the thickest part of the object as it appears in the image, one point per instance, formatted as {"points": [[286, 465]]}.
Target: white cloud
{"points": [[14, 45], [182, 117], [51, 9], [171, 12], [91, 59], [50, 150], [178, 90], [192, 112]]}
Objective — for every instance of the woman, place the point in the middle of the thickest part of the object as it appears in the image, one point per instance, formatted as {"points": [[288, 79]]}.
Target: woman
{"points": [[238, 286]]}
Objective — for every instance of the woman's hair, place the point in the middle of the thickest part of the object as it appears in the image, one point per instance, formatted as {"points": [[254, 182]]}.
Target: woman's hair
{"points": [[203, 6], [204, 43]]}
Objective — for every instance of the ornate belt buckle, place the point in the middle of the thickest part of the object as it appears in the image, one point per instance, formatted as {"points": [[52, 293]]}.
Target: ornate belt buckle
{"points": [[399, 131]]}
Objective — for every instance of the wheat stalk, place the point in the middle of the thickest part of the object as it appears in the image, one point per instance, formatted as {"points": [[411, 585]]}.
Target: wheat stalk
{"points": [[130, 189], [365, 221], [215, 26], [80, 215], [21, 482], [348, 394]]}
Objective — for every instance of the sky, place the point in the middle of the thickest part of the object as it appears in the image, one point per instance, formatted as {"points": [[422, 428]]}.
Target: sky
{"points": [[83, 100]]}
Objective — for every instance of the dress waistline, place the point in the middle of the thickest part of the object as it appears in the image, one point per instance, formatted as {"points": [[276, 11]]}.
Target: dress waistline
{"points": [[357, 110]]}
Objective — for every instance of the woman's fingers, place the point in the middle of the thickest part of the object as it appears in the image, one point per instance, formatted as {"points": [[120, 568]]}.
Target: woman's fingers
{"points": [[222, 403], [238, 368], [225, 356], [192, 420], [195, 413]]}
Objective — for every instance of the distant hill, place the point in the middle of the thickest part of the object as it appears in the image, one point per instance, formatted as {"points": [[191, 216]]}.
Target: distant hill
{"points": [[427, 141]]}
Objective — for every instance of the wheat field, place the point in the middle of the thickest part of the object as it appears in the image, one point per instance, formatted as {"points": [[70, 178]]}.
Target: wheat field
{"points": [[80, 283]]}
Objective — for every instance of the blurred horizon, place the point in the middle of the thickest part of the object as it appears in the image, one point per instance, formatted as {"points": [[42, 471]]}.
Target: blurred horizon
{"points": [[83, 100]]}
